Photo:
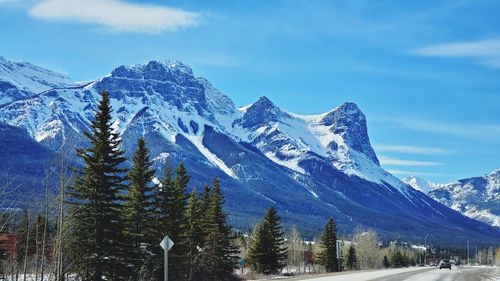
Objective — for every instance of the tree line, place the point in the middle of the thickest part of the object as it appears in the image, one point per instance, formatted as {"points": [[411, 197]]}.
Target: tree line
{"points": [[119, 216], [110, 219]]}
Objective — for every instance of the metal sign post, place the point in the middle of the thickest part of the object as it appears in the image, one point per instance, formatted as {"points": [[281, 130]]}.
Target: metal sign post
{"points": [[166, 245], [339, 255]]}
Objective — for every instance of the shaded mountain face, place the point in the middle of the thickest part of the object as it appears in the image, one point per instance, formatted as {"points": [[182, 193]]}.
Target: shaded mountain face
{"points": [[310, 167], [478, 197], [23, 166]]}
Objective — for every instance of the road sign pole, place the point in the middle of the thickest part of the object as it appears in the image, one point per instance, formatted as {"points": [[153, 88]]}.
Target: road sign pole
{"points": [[165, 266], [166, 244]]}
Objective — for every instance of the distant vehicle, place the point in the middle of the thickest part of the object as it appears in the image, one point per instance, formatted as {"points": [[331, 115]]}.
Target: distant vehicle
{"points": [[433, 263], [421, 264], [444, 263]]}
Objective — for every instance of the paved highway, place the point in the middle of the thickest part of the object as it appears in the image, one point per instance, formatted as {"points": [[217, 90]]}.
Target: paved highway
{"points": [[417, 274]]}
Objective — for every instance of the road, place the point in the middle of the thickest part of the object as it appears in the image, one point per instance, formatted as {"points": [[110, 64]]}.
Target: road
{"points": [[417, 274]]}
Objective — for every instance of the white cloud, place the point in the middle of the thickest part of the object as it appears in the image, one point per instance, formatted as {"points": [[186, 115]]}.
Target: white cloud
{"points": [[411, 149], [485, 132], [115, 15], [487, 52], [389, 161]]}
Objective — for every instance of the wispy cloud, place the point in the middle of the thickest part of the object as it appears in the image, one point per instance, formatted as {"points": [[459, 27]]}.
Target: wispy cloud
{"points": [[115, 15], [412, 173], [488, 132], [486, 52], [389, 161], [409, 149]]}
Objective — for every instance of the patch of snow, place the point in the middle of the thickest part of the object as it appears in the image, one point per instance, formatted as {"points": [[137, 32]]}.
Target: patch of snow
{"points": [[197, 142]]}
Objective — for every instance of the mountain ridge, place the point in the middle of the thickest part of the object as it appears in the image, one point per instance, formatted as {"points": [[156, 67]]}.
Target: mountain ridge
{"points": [[309, 166], [475, 197]]}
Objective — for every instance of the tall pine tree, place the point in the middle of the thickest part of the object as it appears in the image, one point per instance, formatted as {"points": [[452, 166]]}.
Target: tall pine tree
{"points": [[385, 262], [218, 258], [328, 255], [171, 200], [195, 234], [267, 251], [352, 259], [139, 211], [96, 206]]}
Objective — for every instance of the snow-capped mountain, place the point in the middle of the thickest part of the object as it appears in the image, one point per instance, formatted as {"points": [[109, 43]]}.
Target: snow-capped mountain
{"points": [[421, 184], [478, 197], [20, 80], [309, 166]]}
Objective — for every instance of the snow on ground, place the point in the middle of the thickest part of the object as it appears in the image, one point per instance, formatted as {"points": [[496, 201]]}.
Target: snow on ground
{"points": [[361, 275]]}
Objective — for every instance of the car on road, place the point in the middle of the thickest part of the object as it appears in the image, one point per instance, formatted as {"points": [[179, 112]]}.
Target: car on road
{"points": [[444, 263]]}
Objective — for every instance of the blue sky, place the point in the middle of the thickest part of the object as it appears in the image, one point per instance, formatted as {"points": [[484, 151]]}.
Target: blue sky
{"points": [[425, 73]]}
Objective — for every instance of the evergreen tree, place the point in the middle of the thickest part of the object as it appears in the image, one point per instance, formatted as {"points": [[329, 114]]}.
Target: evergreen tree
{"points": [[95, 200], [260, 246], [397, 258], [352, 259], [386, 262], [267, 253], [172, 201], [138, 211], [328, 240], [195, 235], [218, 258], [162, 198]]}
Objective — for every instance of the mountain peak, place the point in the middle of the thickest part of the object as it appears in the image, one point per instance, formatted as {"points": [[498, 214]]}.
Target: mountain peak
{"points": [[261, 112], [160, 70], [421, 184], [264, 102], [348, 121], [349, 106], [495, 173]]}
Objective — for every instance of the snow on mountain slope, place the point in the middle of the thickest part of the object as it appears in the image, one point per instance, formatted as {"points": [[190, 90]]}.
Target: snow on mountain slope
{"points": [[183, 104], [21, 80], [478, 197], [421, 184], [310, 167], [340, 136]]}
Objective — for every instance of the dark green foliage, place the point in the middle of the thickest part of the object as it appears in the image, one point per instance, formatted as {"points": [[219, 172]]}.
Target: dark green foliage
{"points": [[399, 259], [195, 234], [328, 240], [97, 230], [352, 259], [218, 257], [139, 211], [386, 262], [171, 200], [267, 253]]}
